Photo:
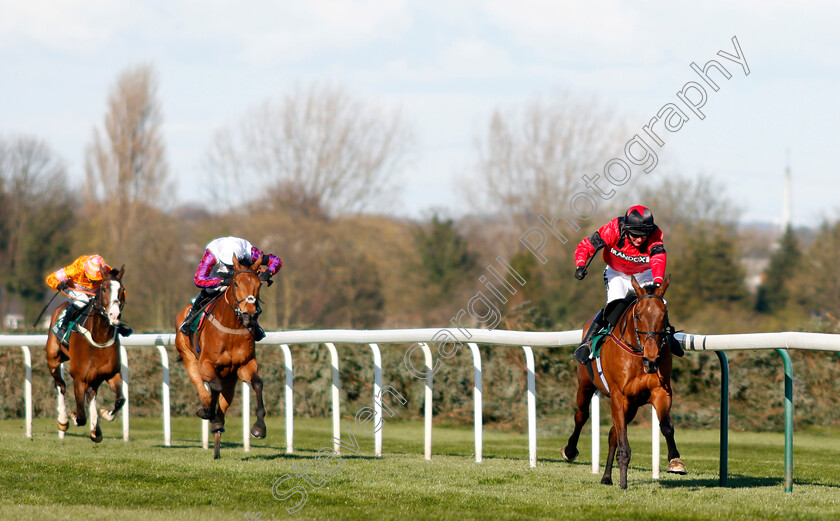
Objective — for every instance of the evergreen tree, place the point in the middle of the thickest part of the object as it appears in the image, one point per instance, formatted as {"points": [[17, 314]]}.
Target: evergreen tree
{"points": [[445, 259], [710, 273], [775, 290]]}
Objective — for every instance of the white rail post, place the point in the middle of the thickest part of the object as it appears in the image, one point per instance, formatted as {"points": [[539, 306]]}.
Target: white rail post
{"points": [[477, 403], [290, 398], [61, 402], [125, 375], [377, 404], [27, 389], [336, 405], [430, 378], [532, 407], [595, 423], [654, 450], [167, 410], [246, 416], [205, 434], [205, 427]]}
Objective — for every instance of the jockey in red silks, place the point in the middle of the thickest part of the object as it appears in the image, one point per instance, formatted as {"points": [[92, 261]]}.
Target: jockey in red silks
{"points": [[633, 246], [215, 272], [79, 281]]}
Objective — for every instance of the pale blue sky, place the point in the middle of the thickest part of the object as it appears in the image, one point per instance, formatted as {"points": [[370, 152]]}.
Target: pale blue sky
{"points": [[447, 67]]}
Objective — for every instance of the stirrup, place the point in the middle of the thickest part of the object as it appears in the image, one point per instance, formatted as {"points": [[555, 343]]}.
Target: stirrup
{"points": [[185, 327], [582, 352]]}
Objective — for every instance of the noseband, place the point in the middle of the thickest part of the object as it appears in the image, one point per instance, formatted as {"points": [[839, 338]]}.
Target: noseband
{"points": [[250, 299], [649, 334], [98, 307]]}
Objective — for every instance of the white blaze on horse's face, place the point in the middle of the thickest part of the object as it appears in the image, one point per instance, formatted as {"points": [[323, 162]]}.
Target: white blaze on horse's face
{"points": [[114, 310]]}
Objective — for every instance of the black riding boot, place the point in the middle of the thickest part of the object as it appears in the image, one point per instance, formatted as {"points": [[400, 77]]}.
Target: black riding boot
{"points": [[259, 332], [673, 343], [62, 329], [124, 330], [585, 348], [200, 300]]}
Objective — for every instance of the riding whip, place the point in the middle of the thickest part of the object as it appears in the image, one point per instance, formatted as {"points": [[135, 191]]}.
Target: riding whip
{"points": [[34, 324]]}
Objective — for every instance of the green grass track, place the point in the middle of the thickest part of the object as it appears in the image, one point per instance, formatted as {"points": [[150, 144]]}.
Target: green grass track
{"points": [[45, 478]]}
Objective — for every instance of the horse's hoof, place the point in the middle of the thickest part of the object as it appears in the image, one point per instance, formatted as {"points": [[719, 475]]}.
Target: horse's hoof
{"points": [[203, 413], [76, 421], [217, 427], [606, 481], [676, 466], [569, 456], [96, 437], [63, 426], [106, 414], [258, 432]]}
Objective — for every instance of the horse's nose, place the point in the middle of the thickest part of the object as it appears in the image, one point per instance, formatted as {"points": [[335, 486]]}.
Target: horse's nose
{"points": [[650, 366]]}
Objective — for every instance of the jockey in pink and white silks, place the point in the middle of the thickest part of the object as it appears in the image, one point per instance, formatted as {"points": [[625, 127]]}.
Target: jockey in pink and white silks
{"points": [[215, 271]]}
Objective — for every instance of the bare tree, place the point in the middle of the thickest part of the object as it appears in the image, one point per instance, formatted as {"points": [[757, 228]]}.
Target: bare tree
{"points": [[320, 146], [126, 169], [36, 213], [532, 157]]}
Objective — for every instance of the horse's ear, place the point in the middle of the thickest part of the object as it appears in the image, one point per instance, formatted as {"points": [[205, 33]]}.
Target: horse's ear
{"points": [[236, 265], [665, 283], [639, 289], [121, 272], [256, 265]]}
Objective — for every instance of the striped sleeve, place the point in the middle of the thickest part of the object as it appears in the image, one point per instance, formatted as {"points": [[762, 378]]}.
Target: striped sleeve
{"points": [[202, 277]]}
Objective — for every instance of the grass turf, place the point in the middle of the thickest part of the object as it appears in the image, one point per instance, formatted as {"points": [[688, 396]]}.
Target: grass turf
{"points": [[45, 478]]}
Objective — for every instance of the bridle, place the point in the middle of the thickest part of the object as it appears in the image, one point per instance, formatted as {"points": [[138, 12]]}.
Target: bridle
{"points": [[115, 299], [639, 347], [250, 299]]}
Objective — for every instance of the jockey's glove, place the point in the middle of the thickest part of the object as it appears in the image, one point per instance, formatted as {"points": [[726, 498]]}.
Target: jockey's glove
{"points": [[265, 276], [61, 285], [580, 272]]}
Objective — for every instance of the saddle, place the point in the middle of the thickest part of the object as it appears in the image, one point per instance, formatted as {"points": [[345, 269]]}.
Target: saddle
{"points": [[198, 322]]}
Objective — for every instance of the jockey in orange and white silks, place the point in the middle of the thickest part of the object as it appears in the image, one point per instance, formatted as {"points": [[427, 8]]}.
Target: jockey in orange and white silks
{"points": [[633, 246], [79, 281], [215, 272]]}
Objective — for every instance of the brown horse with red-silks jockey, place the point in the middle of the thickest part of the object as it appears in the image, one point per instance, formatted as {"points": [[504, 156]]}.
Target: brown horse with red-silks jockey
{"points": [[635, 369]]}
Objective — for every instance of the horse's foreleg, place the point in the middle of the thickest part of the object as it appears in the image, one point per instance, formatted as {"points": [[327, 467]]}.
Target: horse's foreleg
{"points": [[115, 383], [620, 409], [662, 403], [613, 443], [584, 396], [225, 399], [211, 385], [248, 373], [79, 390], [95, 430]]}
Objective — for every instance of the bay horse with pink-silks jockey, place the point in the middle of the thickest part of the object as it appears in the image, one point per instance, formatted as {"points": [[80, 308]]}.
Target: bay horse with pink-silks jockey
{"points": [[222, 350], [635, 369]]}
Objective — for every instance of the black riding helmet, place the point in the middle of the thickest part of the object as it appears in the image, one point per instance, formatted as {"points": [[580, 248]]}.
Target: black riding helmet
{"points": [[639, 220]]}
